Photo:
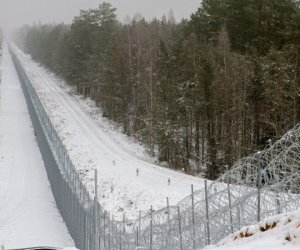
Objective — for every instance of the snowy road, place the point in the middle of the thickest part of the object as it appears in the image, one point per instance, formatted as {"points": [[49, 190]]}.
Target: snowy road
{"points": [[28, 214], [92, 143]]}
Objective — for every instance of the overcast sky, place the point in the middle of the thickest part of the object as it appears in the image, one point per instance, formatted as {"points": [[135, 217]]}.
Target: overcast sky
{"points": [[17, 12]]}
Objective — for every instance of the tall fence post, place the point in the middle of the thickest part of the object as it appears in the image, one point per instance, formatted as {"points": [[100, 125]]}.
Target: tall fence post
{"points": [[104, 229], [112, 229], [124, 228], [179, 228], [120, 240], [258, 186], [96, 212], [230, 206], [168, 215], [151, 229], [239, 217], [100, 226], [277, 196], [207, 212], [168, 221], [139, 228], [137, 237], [84, 223], [193, 216], [109, 231]]}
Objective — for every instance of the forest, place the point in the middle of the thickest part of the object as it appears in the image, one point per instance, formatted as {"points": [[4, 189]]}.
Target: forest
{"points": [[200, 93]]}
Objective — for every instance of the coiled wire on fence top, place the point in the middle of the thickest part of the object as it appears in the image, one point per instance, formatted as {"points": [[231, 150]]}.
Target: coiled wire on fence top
{"points": [[257, 186]]}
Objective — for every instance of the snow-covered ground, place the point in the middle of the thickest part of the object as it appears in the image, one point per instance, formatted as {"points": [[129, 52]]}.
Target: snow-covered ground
{"points": [[28, 214], [94, 142], [281, 232]]}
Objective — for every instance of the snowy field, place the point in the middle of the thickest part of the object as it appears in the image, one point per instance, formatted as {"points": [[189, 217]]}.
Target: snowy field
{"points": [[93, 142], [28, 214], [281, 232]]}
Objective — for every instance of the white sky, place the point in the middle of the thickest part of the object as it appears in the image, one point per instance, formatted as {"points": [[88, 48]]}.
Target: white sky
{"points": [[14, 13]]}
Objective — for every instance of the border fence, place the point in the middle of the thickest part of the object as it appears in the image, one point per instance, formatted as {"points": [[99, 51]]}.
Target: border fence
{"points": [[257, 186]]}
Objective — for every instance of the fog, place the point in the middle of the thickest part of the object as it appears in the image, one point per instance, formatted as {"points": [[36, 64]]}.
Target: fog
{"points": [[15, 13]]}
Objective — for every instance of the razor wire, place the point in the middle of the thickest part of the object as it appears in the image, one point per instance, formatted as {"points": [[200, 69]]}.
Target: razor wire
{"points": [[263, 184]]}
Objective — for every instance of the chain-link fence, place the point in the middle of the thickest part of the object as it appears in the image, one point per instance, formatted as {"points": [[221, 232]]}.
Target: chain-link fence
{"points": [[261, 185]]}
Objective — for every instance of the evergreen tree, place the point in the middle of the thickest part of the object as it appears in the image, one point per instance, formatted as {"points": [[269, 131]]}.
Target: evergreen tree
{"points": [[203, 92]]}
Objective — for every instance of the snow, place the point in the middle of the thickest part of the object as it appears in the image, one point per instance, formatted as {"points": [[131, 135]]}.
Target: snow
{"points": [[93, 142], [279, 232], [28, 214]]}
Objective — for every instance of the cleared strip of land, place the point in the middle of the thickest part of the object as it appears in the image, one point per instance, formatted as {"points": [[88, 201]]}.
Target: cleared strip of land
{"points": [[28, 214], [129, 182]]}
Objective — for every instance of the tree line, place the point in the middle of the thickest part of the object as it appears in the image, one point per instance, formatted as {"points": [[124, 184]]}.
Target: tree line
{"points": [[201, 93]]}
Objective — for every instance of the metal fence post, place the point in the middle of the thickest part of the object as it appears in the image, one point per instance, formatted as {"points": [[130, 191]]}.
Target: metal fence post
{"points": [[258, 187], [124, 229], [179, 227], [120, 242], [277, 196], [151, 231], [230, 206], [193, 217], [239, 217], [207, 212], [137, 237], [139, 227], [168, 215], [86, 232], [109, 236], [96, 234], [104, 229], [151, 237]]}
